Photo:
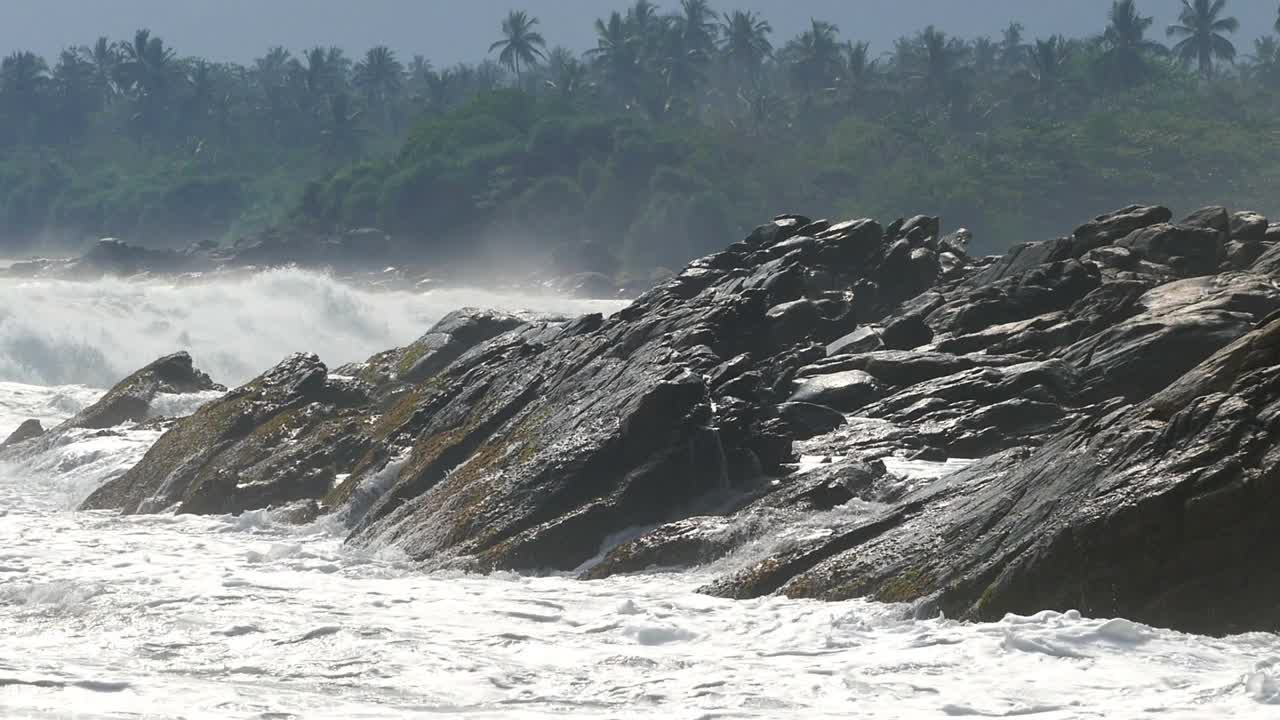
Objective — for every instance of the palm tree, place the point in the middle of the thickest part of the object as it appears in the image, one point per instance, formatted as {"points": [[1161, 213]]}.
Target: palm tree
{"points": [[696, 28], [520, 44], [814, 56], [23, 79], [744, 42], [440, 89], [1048, 64], [1266, 61], [148, 71], [201, 96], [381, 77], [1126, 47], [319, 73], [1202, 27], [566, 76], [858, 71], [1012, 49], [644, 25], [270, 74], [685, 44], [487, 75], [986, 54], [104, 56], [73, 94], [339, 66], [615, 55], [939, 58]]}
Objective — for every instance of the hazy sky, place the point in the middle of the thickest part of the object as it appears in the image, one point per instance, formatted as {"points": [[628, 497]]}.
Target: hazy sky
{"points": [[447, 31]]}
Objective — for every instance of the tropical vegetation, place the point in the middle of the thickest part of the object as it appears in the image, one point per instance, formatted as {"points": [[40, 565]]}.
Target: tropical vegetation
{"points": [[672, 135]]}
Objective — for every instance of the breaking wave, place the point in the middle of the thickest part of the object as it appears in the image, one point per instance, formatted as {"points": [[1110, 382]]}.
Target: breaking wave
{"points": [[57, 332]]}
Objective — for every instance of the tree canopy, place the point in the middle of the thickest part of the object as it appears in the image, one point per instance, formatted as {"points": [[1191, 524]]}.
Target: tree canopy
{"points": [[670, 137]]}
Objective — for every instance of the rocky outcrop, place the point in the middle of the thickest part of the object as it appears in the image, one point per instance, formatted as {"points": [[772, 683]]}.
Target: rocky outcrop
{"points": [[1113, 390], [130, 400], [28, 430], [271, 442], [1156, 511]]}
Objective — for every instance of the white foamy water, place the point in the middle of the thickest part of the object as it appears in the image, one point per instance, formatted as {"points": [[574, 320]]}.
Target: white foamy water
{"points": [[94, 333], [104, 616]]}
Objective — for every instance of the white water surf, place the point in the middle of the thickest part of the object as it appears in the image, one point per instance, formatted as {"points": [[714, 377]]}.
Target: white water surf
{"points": [[104, 616], [56, 332]]}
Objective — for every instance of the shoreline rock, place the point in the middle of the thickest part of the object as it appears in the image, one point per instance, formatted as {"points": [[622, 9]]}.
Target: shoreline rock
{"points": [[1115, 388]]}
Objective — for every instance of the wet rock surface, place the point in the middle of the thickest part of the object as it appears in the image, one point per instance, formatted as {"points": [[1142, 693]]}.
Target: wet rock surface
{"points": [[28, 430], [130, 400], [1115, 389]]}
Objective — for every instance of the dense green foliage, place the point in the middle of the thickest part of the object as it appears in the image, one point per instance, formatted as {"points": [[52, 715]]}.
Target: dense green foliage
{"points": [[668, 139]]}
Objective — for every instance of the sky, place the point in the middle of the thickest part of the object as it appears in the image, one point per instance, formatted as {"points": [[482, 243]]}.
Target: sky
{"points": [[449, 31]]}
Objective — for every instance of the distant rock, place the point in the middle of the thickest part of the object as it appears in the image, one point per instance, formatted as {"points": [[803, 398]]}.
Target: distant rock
{"points": [[28, 430]]}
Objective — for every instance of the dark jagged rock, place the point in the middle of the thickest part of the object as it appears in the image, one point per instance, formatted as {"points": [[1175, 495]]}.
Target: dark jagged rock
{"points": [[110, 256], [271, 442], [1248, 227], [1116, 388], [808, 420], [846, 390], [1177, 325], [1214, 217], [28, 430], [452, 336], [864, 339], [906, 333], [1106, 229], [130, 400], [1242, 255], [1269, 262], [1155, 512], [1039, 290], [1200, 250]]}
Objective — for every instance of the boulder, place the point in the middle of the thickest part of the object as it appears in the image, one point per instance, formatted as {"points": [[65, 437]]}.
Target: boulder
{"points": [[846, 391], [1214, 217], [1268, 263], [1242, 255], [130, 399], [1176, 326], [1035, 291], [1108, 228], [807, 420], [865, 339], [445, 342], [286, 434], [1201, 250], [906, 332], [28, 430], [1248, 227]]}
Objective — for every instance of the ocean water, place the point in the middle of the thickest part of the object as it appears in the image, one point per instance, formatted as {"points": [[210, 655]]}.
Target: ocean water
{"points": [[57, 332], [103, 616]]}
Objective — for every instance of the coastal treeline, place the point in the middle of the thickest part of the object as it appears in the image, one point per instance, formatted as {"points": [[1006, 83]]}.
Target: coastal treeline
{"points": [[679, 129]]}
